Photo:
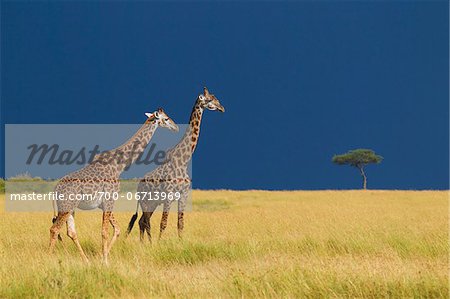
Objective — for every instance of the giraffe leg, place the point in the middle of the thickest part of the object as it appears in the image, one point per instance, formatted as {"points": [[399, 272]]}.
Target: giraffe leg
{"points": [[72, 233], [163, 224], [142, 227], [116, 228], [147, 216], [181, 207], [54, 230], [165, 215], [53, 221], [180, 224], [105, 233]]}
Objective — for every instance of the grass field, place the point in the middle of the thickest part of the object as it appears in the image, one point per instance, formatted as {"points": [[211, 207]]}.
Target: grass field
{"points": [[244, 244]]}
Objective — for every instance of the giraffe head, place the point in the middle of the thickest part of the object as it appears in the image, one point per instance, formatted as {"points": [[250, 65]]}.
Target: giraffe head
{"points": [[209, 101], [162, 119]]}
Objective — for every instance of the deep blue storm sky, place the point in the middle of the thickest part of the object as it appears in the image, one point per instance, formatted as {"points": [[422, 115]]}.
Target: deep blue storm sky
{"points": [[300, 81]]}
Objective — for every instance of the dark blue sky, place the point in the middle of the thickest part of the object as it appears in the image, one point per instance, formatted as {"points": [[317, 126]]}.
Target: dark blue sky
{"points": [[300, 81]]}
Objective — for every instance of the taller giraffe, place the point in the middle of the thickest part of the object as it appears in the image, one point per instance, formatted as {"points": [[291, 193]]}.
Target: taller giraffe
{"points": [[172, 176], [102, 175]]}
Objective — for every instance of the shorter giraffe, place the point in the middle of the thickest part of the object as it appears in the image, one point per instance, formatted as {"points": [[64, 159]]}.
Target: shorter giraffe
{"points": [[102, 175], [173, 176]]}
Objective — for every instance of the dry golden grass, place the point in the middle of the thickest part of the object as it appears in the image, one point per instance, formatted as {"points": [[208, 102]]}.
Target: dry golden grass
{"points": [[244, 244]]}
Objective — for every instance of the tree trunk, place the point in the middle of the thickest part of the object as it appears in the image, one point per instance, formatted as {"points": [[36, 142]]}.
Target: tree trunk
{"points": [[363, 174]]}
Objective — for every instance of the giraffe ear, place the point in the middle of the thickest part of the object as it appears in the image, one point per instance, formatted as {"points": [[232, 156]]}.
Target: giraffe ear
{"points": [[205, 91], [149, 115]]}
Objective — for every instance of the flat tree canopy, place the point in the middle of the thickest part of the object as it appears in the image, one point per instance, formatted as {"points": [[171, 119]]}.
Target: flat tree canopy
{"points": [[358, 157]]}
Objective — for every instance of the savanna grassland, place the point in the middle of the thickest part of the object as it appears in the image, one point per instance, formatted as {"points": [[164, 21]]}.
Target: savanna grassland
{"points": [[312, 244]]}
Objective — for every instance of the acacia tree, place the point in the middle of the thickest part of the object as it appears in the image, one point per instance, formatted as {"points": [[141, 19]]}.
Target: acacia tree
{"points": [[358, 158]]}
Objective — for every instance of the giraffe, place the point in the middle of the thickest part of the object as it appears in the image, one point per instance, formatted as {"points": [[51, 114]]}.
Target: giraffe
{"points": [[102, 175], [172, 176]]}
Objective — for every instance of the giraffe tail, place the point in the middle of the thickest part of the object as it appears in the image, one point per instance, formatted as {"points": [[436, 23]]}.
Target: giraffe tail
{"points": [[133, 220]]}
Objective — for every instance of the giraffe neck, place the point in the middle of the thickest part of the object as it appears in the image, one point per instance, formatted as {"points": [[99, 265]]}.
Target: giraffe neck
{"points": [[183, 151], [123, 156]]}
